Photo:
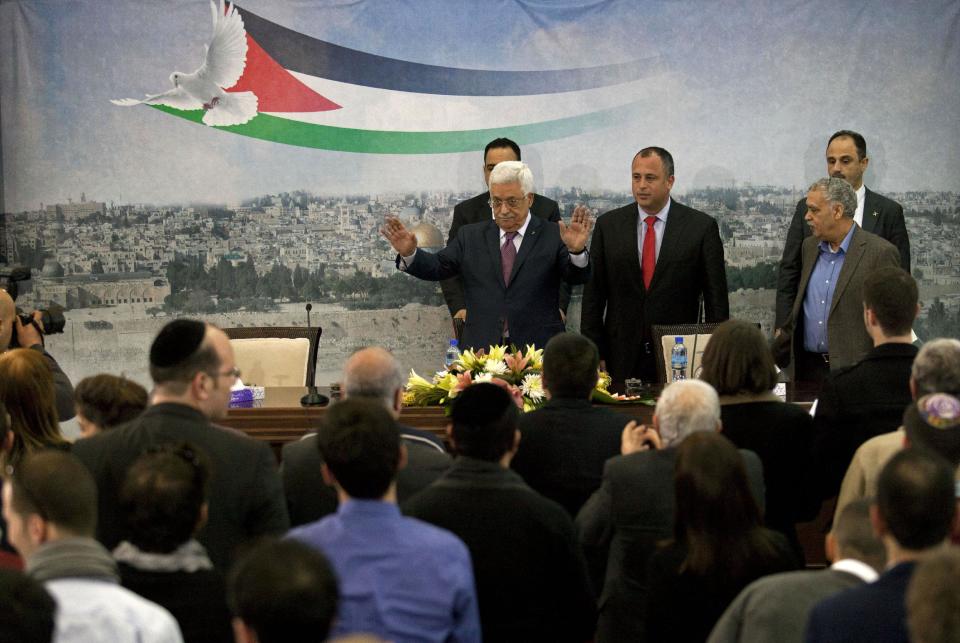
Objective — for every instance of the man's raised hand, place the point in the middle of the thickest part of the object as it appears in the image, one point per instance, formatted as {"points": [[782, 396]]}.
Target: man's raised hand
{"points": [[402, 240], [576, 235]]}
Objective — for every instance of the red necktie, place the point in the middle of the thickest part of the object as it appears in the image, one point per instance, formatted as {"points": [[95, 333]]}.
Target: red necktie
{"points": [[649, 260], [508, 254]]}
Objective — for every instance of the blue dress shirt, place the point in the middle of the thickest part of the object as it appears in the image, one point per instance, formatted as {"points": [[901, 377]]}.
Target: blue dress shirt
{"points": [[819, 296], [400, 578]]}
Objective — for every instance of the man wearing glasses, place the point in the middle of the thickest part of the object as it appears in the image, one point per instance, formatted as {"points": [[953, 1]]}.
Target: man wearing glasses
{"points": [[511, 266], [193, 369]]}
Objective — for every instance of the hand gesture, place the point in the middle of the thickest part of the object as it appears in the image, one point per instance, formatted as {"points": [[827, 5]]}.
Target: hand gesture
{"points": [[638, 438], [402, 240], [576, 234]]}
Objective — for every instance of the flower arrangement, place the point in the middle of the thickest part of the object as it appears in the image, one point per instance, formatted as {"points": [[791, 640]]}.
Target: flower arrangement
{"points": [[519, 372]]}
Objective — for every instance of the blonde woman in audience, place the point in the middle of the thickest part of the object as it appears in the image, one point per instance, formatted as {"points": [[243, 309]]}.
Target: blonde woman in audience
{"points": [[105, 401], [27, 390]]}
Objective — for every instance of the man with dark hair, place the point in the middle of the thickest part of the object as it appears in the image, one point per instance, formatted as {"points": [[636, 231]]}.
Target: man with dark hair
{"points": [[399, 578], [914, 513], [193, 368], [282, 591], [868, 398], [105, 401], [26, 609], [371, 373], [933, 422], [566, 442], [477, 209], [49, 503], [531, 577], [776, 608], [846, 159], [163, 500], [653, 263], [825, 331]]}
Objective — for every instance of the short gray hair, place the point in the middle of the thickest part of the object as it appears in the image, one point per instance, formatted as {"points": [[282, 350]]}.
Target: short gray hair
{"points": [[837, 191], [513, 172], [686, 407], [373, 372], [936, 368]]}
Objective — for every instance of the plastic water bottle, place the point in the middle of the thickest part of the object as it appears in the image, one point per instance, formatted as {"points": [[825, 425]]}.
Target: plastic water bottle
{"points": [[678, 361], [452, 354]]}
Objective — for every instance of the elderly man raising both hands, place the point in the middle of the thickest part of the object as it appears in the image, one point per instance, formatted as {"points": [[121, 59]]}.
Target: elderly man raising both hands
{"points": [[511, 266]]}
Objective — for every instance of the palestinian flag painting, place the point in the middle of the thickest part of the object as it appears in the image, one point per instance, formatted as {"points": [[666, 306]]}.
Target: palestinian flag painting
{"points": [[279, 85]]}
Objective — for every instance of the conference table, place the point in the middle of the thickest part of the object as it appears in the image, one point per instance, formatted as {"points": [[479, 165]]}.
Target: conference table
{"points": [[278, 418]]}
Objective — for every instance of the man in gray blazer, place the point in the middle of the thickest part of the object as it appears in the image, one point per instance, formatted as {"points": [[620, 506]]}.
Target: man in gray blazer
{"points": [[620, 525], [826, 323], [775, 608]]}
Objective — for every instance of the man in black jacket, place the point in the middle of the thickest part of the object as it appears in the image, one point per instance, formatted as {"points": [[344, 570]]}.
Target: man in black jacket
{"points": [[193, 368], [530, 573], [477, 209]]}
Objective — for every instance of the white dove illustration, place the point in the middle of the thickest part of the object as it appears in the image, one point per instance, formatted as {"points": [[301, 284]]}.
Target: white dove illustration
{"points": [[223, 64]]}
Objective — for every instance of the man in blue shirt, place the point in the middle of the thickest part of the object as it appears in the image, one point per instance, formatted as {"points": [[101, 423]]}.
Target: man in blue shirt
{"points": [[826, 323], [400, 578]]}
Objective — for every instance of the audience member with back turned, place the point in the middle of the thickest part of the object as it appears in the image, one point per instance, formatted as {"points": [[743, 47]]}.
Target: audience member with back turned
{"points": [[567, 441], [106, 401], [400, 578], [282, 591], [776, 608], [50, 504], [634, 508], [936, 369], [163, 500], [531, 577], [14, 333], [738, 364], [914, 513], [28, 609], [193, 368], [933, 598], [371, 373], [719, 543], [868, 398]]}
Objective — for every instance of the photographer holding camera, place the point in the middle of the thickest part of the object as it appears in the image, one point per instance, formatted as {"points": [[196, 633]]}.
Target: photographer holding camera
{"points": [[14, 332]]}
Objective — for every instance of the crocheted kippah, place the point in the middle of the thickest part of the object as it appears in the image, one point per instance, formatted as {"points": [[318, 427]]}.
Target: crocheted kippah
{"points": [[176, 341]]}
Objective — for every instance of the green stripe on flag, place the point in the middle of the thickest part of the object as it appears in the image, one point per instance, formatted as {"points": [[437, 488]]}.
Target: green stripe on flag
{"points": [[344, 139]]}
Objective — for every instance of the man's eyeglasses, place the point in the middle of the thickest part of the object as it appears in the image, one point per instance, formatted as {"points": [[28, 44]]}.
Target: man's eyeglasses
{"points": [[233, 372], [513, 203]]}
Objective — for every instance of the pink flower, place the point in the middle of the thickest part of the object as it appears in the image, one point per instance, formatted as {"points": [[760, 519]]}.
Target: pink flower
{"points": [[516, 362], [514, 391], [463, 381]]}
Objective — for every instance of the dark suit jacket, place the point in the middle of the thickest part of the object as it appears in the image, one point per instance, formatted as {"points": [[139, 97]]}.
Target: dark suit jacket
{"points": [[856, 404], [476, 210], [563, 447], [530, 304], [618, 310], [308, 496], [874, 612], [246, 498], [627, 517], [881, 216], [848, 338], [531, 578]]}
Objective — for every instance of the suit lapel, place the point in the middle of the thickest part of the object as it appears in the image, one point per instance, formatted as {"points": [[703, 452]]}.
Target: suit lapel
{"points": [[854, 255], [871, 211], [492, 236], [808, 259], [529, 240]]}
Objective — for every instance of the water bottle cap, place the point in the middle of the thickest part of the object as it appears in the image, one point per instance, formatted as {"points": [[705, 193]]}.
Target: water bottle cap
{"points": [[679, 340], [453, 342]]}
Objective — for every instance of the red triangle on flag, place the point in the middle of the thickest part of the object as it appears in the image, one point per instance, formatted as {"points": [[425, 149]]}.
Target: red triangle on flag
{"points": [[277, 89]]}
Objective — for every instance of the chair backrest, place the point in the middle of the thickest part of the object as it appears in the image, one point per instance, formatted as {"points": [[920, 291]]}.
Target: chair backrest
{"points": [[695, 338], [276, 355]]}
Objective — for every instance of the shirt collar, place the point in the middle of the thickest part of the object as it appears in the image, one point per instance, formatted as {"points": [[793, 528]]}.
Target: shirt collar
{"points": [[368, 508], [520, 232], [825, 245], [662, 214], [859, 569]]}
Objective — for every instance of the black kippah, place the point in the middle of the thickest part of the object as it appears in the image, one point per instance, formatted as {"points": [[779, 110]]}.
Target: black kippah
{"points": [[176, 341]]}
